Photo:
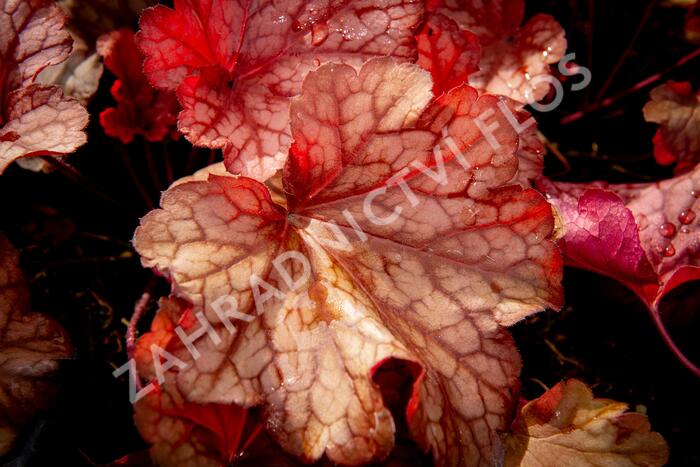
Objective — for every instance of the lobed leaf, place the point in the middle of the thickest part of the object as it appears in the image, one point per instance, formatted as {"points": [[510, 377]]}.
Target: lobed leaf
{"points": [[448, 53], [643, 235], [31, 346], [79, 76], [187, 434], [235, 64], [434, 287], [34, 119], [515, 60], [566, 426], [41, 121], [676, 108], [141, 110]]}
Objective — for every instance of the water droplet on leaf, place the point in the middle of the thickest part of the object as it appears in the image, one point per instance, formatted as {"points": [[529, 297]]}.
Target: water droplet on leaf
{"points": [[319, 34], [687, 217], [670, 250], [667, 230]]}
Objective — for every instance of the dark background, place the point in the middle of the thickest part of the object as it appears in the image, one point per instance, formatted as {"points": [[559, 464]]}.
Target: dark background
{"points": [[76, 252]]}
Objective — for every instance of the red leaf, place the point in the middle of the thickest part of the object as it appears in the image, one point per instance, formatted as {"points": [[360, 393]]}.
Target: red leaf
{"points": [[35, 120], [676, 108], [235, 67], [515, 61], [434, 287], [644, 235], [141, 110], [448, 53], [31, 346]]}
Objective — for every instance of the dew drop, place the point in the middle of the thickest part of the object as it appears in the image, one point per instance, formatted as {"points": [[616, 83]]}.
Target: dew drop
{"points": [[319, 34], [695, 194], [317, 62], [670, 250], [667, 230], [685, 230], [687, 217], [280, 19]]}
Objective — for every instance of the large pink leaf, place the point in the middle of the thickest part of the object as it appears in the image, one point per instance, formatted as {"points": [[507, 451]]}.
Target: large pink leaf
{"points": [[235, 64], [140, 110], [31, 346], [676, 108], [644, 235], [435, 286], [515, 60], [34, 119], [567, 426]]}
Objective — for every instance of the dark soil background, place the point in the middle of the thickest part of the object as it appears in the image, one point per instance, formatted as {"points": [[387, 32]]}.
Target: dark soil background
{"points": [[74, 228]]}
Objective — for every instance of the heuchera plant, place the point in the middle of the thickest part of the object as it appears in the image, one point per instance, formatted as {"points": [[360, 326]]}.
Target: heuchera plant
{"points": [[405, 290], [374, 213]]}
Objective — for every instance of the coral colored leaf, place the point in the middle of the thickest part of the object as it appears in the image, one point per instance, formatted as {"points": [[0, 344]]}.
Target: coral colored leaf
{"points": [[448, 53], [79, 76], [676, 108], [185, 434], [566, 426], [34, 119], [141, 110], [515, 60], [645, 236], [434, 286], [31, 346], [41, 120], [235, 64], [31, 38]]}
